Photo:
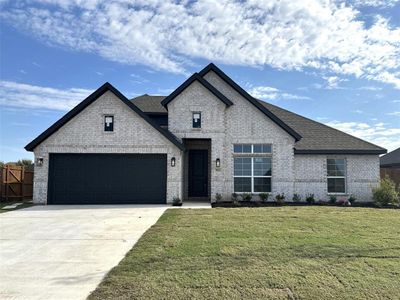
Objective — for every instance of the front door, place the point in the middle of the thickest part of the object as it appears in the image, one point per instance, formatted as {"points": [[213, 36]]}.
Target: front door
{"points": [[198, 173]]}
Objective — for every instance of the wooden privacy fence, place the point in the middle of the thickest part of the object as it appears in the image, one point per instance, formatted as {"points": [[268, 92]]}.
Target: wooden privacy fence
{"points": [[16, 183]]}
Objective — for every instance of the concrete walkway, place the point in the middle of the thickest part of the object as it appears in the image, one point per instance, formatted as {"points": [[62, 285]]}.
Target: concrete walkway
{"points": [[63, 252]]}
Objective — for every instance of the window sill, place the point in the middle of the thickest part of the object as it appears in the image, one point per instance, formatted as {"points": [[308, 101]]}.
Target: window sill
{"points": [[255, 193]]}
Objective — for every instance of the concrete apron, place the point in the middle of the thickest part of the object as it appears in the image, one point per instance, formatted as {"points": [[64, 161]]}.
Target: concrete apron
{"points": [[63, 252]]}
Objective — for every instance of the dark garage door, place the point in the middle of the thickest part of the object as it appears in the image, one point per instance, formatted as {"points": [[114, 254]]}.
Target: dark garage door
{"points": [[107, 179]]}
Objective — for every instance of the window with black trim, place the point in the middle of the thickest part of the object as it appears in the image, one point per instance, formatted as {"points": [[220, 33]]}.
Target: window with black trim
{"points": [[336, 175], [109, 123], [196, 119]]}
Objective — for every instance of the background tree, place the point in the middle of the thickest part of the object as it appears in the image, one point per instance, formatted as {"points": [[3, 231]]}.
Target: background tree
{"points": [[24, 162]]}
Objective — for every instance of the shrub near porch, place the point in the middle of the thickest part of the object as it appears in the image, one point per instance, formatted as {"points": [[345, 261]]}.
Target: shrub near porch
{"points": [[278, 253]]}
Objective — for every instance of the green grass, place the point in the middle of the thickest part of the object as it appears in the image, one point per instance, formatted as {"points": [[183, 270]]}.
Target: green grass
{"points": [[23, 205], [263, 253]]}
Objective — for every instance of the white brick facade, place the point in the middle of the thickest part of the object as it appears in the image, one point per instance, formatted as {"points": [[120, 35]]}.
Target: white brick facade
{"points": [[84, 134], [311, 175], [224, 126]]}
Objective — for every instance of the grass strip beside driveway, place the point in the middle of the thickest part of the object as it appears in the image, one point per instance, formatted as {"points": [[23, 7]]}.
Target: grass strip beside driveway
{"points": [[23, 205], [263, 253]]}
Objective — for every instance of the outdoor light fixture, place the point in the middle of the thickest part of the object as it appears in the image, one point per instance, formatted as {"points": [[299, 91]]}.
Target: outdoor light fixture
{"points": [[39, 161], [217, 163], [173, 162]]}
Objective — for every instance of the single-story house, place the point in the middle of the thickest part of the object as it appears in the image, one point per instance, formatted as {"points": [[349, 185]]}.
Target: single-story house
{"points": [[209, 136], [390, 166]]}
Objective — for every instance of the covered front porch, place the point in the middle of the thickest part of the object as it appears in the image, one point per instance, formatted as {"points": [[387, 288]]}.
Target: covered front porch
{"points": [[197, 170]]}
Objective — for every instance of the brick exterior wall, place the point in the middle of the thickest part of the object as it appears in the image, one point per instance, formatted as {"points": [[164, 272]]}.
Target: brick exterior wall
{"points": [[84, 134], [240, 123], [225, 126], [362, 174]]}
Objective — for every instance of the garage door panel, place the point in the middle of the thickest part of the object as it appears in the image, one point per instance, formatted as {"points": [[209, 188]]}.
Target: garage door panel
{"points": [[107, 178]]}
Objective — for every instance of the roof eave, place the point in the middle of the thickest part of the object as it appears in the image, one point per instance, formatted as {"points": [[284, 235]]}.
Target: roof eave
{"points": [[90, 99], [341, 151], [203, 82], [247, 96]]}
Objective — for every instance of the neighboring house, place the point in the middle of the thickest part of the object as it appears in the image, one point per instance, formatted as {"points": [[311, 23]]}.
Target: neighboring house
{"points": [[209, 136], [390, 165]]}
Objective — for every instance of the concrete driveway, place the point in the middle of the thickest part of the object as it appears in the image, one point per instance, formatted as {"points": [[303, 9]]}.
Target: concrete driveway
{"points": [[63, 252]]}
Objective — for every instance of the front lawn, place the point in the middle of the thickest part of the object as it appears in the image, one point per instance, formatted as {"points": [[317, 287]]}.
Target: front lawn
{"points": [[263, 253]]}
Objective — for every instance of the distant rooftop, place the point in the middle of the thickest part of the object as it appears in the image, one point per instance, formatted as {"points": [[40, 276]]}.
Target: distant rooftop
{"points": [[392, 159]]}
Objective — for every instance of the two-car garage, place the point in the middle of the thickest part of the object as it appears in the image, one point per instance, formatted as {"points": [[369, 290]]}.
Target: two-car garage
{"points": [[107, 178]]}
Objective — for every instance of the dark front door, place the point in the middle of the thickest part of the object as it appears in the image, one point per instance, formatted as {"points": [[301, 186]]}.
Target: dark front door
{"points": [[198, 173], [107, 179]]}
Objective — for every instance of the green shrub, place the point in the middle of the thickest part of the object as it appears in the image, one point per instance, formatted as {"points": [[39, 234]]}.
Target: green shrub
{"points": [[386, 193], [280, 198], [296, 197], [234, 197], [310, 198], [218, 197], [247, 197], [176, 201], [352, 199], [263, 196], [332, 199]]}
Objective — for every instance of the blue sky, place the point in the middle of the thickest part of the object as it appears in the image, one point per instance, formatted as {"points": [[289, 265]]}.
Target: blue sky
{"points": [[333, 61]]}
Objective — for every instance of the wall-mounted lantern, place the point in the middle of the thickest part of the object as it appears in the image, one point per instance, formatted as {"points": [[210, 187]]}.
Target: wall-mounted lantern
{"points": [[173, 162], [218, 163], [39, 161]]}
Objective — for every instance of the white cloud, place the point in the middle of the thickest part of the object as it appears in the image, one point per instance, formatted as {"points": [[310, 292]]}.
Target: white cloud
{"points": [[332, 82], [376, 3], [271, 93], [21, 95], [377, 133], [370, 88], [168, 35], [395, 113]]}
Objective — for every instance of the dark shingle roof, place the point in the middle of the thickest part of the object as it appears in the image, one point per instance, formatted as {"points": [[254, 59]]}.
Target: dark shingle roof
{"points": [[391, 159], [150, 104], [316, 137]]}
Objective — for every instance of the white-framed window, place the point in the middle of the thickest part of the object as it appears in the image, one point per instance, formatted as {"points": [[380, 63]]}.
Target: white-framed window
{"points": [[196, 119], [336, 175], [109, 123], [252, 148], [252, 168]]}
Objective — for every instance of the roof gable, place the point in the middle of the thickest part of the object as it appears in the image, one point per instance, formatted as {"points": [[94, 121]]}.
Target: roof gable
{"points": [[248, 97], [203, 82], [90, 99]]}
